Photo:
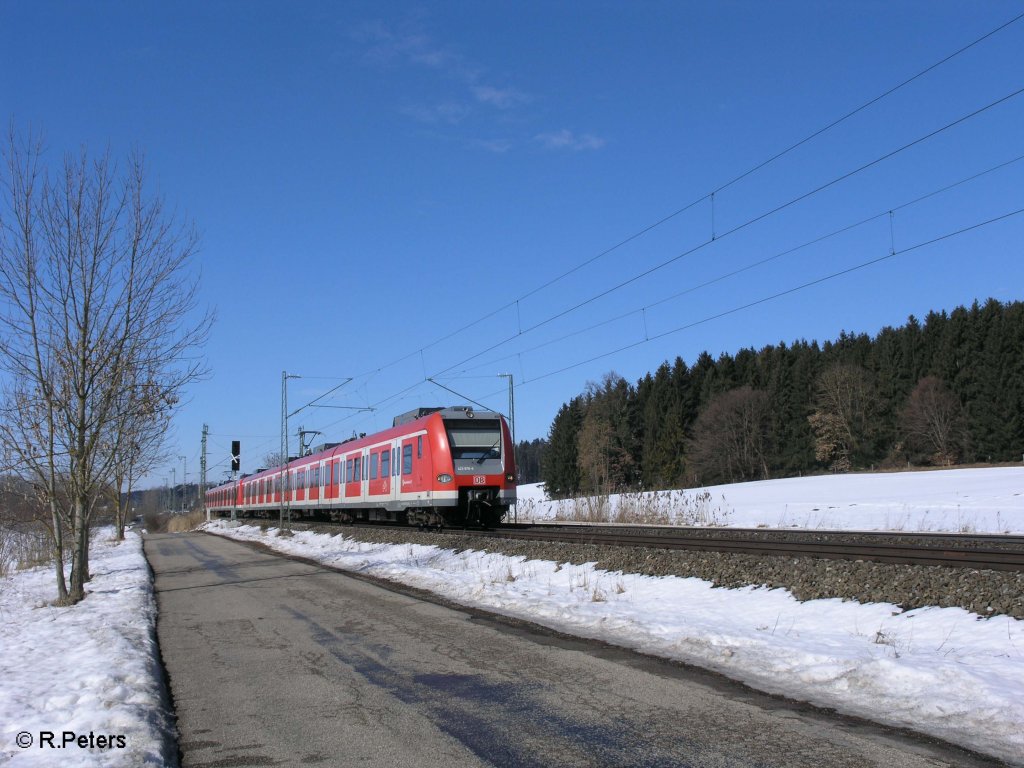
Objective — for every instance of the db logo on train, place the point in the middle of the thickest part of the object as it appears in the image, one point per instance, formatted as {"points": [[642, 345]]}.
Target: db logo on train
{"points": [[479, 480]]}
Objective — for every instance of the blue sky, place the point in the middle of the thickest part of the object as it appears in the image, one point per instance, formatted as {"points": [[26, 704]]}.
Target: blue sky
{"points": [[369, 178]]}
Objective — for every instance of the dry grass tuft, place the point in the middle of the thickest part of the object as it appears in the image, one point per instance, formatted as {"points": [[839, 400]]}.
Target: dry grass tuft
{"points": [[187, 522]]}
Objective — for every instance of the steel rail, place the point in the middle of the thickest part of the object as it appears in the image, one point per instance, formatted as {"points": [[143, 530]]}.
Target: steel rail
{"points": [[949, 550], [958, 550]]}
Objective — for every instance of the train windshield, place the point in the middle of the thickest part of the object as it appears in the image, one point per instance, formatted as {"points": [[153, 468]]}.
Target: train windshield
{"points": [[478, 440]]}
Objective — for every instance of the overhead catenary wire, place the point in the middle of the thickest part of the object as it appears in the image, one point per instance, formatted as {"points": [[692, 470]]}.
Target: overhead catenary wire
{"points": [[715, 236], [763, 300], [780, 294], [740, 227], [890, 254], [749, 305], [683, 209], [753, 265]]}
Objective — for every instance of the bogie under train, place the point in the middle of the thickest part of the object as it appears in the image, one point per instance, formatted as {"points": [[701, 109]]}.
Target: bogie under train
{"points": [[434, 467]]}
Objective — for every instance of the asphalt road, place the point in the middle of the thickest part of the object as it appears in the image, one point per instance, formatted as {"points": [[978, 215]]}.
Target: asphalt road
{"points": [[277, 662]]}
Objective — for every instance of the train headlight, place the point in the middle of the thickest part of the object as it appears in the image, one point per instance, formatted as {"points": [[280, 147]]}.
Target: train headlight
{"points": [[444, 478]]}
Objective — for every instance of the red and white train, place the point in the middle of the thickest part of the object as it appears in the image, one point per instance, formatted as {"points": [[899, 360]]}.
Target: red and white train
{"points": [[433, 467]]}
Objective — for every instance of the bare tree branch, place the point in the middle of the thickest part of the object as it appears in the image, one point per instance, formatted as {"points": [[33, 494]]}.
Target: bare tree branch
{"points": [[98, 330]]}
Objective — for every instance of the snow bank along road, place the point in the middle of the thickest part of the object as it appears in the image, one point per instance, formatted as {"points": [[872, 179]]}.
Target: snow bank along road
{"points": [[80, 687], [277, 661]]}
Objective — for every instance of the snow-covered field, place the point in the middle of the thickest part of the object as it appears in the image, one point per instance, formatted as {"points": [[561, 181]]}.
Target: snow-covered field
{"points": [[90, 670], [940, 671], [988, 500]]}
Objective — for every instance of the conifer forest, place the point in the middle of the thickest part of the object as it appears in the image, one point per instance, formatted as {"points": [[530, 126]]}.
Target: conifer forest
{"points": [[948, 390]]}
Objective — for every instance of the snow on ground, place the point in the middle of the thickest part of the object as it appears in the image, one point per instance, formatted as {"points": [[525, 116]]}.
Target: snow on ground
{"points": [[987, 500], [940, 671], [90, 669]]}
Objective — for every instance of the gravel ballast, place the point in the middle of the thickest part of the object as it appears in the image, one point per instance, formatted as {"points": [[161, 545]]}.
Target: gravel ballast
{"points": [[985, 592]]}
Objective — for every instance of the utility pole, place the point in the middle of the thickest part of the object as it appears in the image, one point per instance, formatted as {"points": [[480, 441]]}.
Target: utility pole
{"points": [[286, 512], [202, 474], [174, 484], [303, 443], [512, 428], [184, 484]]}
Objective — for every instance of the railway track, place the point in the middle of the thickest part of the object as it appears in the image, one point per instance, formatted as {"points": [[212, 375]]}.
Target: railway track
{"points": [[949, 550], [994, 552]]}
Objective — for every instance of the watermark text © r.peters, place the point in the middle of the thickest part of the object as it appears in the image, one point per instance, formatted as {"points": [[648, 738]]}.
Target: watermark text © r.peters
{"points": [[71, 739]]}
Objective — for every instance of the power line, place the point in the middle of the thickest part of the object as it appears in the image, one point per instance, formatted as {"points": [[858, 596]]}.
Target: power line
{"points": [[754, 265], [640, 233], [778, 295], [738, 228], [715, 237]]}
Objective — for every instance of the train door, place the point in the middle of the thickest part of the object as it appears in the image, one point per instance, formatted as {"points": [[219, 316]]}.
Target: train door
{"points": [[354, 477], [380, 472], [314, 483], [365, 474], [406, 457]]}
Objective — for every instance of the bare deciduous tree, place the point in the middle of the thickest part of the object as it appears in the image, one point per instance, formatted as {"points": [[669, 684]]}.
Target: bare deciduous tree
{"points": [[98, 328], [933, 422], [138, 447], [272, 459], [846, 406], [730, 437]]}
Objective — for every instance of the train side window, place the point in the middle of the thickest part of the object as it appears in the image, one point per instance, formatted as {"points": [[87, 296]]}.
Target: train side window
{"points": [[419, 447], [373, 466], [385, 463], [337, 473], [394, 461], [359, 469], [348, 471], [407, 459]]}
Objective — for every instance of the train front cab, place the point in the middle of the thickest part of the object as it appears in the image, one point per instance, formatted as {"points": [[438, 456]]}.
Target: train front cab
{"points": [[477, 474]]}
